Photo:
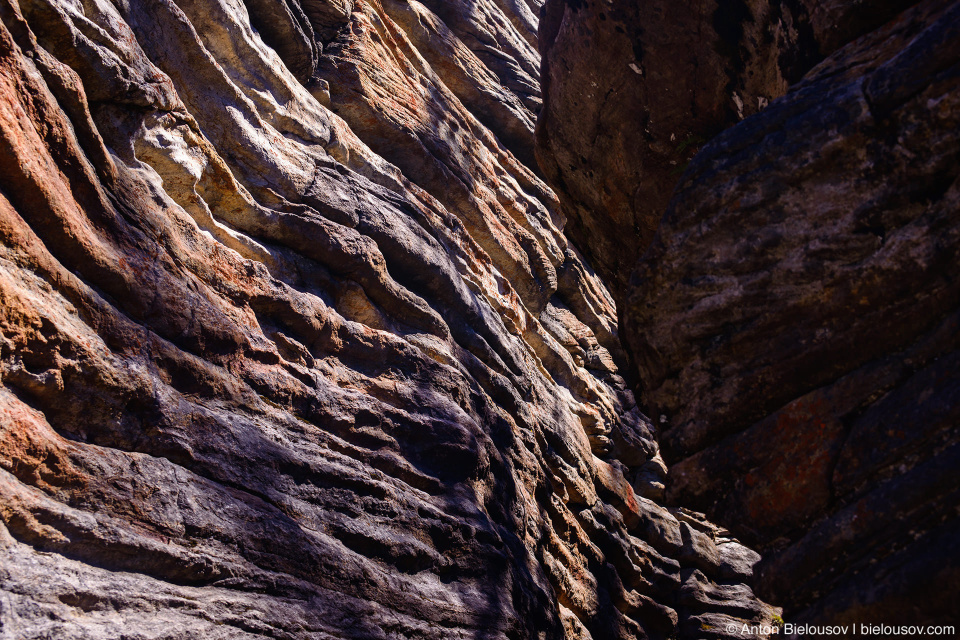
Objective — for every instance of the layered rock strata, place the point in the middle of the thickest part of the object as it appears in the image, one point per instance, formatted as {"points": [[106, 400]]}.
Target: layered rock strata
{"points": [[293, 345], [794, 322]]}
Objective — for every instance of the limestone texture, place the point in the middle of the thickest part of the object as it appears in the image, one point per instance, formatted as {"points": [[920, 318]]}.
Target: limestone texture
{"points": [[294, 345]]}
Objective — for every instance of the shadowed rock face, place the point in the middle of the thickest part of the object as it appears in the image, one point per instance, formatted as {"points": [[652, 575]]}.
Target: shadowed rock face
{"points": [[793, 316], [632, 90], [795, 321], [293, 345]]}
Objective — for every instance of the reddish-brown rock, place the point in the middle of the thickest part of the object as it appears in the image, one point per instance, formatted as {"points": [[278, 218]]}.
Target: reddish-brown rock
{"points": [[794, 313], [795, 323], [270, 371]]}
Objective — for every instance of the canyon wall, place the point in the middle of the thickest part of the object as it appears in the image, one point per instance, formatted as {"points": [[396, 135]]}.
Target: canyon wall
{"points": [[634, 89], [294, 345], [793, 314]]}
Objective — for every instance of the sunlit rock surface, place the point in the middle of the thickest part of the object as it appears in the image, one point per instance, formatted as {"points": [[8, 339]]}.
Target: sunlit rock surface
{"points": [[293, 344]]}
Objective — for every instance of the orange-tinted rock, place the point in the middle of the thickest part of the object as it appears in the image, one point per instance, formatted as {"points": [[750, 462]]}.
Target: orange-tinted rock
{"points": [[267, 371]]}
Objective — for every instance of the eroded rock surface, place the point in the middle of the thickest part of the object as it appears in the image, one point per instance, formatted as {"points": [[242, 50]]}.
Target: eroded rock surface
{"points": [[795, 322], [293, 344]]}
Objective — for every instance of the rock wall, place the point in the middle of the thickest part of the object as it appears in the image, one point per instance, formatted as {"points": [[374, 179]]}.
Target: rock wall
{"points": [[794, 317], [293, 344], [634, 89]]}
